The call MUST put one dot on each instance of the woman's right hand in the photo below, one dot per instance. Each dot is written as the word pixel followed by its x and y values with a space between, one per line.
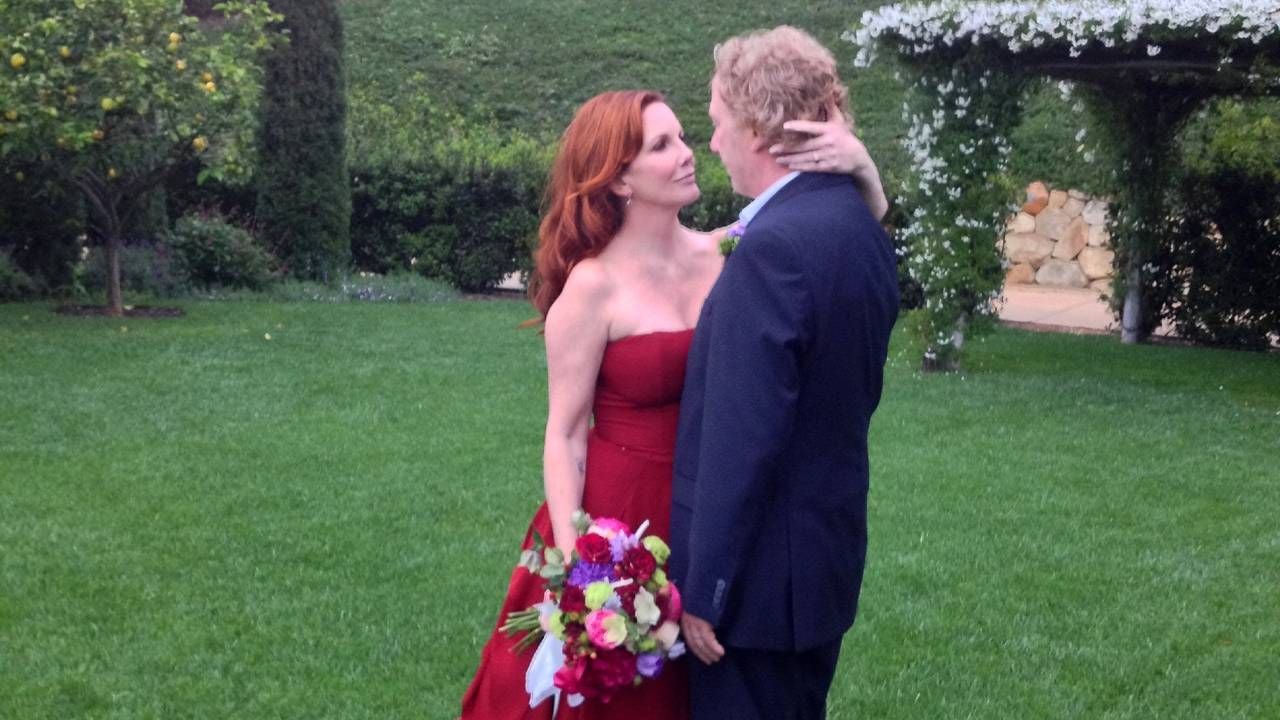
pixel 566 548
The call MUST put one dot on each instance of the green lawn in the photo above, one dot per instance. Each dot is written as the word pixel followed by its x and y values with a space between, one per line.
pixel 198 522
pixel 529 63
pixel 525 65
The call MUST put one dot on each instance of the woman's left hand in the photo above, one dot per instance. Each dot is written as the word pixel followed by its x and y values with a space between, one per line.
pixel 833 148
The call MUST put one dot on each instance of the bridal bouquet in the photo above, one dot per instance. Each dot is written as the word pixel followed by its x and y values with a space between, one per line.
pixel 610 619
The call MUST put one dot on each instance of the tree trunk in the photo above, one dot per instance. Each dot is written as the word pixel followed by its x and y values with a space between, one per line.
pixel 1131 315
pixel 105 214
pixel 115 300
pixel 946 358
pixel 1150 123
pixel 957 334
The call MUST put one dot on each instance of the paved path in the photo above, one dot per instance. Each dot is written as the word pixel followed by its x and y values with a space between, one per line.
pixel 1061 310
pixel 1066 309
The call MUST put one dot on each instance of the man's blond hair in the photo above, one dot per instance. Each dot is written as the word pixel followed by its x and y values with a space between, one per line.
pixel 771 76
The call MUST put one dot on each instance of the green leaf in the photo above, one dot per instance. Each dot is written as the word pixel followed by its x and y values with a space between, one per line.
pixel 554 556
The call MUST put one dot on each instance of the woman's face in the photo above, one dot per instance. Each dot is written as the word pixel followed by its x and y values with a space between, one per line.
pixel 662 174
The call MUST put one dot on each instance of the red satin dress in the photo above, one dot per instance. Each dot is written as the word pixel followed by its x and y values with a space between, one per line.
pixel 628 477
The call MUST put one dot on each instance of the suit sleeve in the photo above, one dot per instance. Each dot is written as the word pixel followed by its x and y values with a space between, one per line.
pixel 761 318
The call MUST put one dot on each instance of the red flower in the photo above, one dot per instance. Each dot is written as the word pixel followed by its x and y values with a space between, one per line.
pixel 599 675
pixel 638 563
pixel 594 549
pixel 614 670
pixel 573 600
pixel 627 594
pixel 572 677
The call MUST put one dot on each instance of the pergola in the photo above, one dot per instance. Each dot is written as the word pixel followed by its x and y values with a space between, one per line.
pixel 1141 68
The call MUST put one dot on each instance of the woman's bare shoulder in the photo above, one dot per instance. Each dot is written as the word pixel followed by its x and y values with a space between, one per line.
pixel 589 279
pixel 585 295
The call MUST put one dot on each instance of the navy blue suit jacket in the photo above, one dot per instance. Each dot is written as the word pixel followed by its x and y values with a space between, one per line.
pixel 769 516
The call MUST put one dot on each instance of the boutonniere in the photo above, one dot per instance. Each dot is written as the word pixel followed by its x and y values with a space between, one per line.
pixel 731 238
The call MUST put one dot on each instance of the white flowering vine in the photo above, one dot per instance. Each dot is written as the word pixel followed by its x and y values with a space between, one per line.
pixel 971 62
pixel 919 29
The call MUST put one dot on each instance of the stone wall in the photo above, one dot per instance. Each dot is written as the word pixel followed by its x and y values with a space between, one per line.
pixel 1059 239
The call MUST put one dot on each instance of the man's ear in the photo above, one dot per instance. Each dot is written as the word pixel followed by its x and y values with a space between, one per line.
pixel 758 144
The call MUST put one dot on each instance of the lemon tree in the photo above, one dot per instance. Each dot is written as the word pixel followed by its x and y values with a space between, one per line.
pixel 113 94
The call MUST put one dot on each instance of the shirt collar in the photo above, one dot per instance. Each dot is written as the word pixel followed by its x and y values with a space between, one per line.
pixel 750 211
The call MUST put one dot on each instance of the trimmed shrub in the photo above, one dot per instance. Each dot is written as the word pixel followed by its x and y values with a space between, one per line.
pixel 304 197
pixel 186 194
pixel 211 251
pixel 41 220
pixel 1217 270
pixel 718 206
pixel 14 283
pixel 464 209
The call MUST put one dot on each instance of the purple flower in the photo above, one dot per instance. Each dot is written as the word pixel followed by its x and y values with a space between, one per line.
pixel 585 573
pixel 731 238
pixel 618 546
pixel 649 664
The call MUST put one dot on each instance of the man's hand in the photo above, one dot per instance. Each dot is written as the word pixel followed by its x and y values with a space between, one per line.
pixel 700 638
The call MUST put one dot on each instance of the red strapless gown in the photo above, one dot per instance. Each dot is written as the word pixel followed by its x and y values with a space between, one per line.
pixel 628 476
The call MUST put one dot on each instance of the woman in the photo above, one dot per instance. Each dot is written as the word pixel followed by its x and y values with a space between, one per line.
pixel 619 285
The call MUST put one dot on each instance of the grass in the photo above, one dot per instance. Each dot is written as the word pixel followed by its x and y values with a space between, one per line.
pixel 528 64
pixel 200 522
pixel 525 65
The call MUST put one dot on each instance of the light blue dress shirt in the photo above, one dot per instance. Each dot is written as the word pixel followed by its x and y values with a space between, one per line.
pixel 749 212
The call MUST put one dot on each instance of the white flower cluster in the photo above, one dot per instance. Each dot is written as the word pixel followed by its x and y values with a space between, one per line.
pixel 957 141
pixel 922 28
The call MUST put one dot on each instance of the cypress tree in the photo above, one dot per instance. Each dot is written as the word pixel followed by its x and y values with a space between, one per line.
pixel 304 194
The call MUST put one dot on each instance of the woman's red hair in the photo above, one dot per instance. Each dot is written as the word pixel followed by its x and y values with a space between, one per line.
pixel 583 213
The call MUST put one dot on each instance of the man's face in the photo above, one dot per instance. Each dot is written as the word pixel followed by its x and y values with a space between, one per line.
pixel 731 140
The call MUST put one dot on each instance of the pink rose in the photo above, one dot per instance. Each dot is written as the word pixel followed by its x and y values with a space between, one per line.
pixel 606 629
pixel 608 527
pixel 669 603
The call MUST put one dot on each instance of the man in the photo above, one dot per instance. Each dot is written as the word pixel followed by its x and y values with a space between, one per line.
pixel 770 490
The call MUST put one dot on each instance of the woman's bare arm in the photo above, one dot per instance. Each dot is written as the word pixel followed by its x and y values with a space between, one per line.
pixel 577 330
